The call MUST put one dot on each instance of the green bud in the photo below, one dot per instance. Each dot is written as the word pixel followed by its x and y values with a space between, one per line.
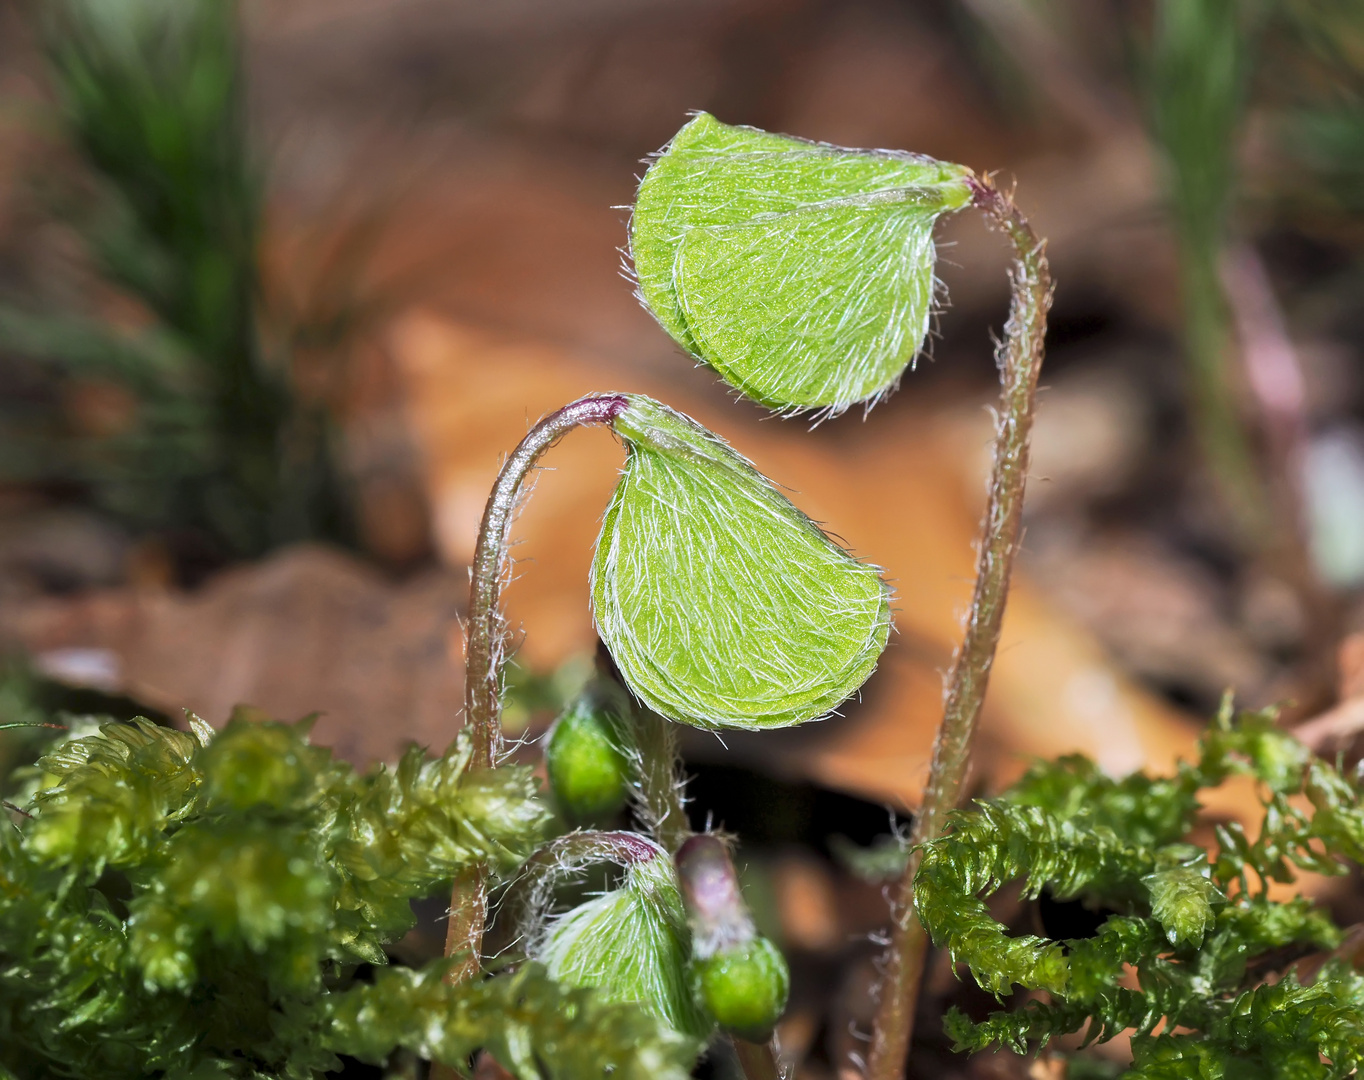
pixel 801 272
pixel 587 769
pixel 744 988
pixel 722 604
pixel 737 976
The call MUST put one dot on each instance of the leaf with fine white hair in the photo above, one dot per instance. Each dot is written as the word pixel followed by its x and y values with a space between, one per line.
pixel 801 272
pixel 722 604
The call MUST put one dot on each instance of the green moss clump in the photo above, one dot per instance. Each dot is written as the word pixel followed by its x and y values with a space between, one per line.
pixel 1198 928
pixel 199 904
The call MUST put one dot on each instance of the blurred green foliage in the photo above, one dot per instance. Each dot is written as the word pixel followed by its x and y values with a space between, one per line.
pixel 1256 109
pixel 149 94
pixel 1198 76
pixel 1322 126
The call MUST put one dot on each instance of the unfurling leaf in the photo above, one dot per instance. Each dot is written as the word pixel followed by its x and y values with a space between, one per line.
pixel 631 943
pixel 722 604
pixel 801 272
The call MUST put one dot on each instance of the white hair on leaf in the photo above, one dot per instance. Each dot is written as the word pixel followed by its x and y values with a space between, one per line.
pixel 722 604
pixel 803 273
pixel 632 943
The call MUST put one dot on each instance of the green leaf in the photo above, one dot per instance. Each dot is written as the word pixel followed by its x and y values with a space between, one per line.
pixel 801 272
pixel 723 605
pixel 631 943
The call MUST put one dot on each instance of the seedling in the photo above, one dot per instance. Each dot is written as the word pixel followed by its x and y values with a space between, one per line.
pixel 804 274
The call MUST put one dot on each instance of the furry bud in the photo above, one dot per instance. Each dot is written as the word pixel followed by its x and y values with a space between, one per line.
pixel 737 975
pixel 630 943
pixel 744 988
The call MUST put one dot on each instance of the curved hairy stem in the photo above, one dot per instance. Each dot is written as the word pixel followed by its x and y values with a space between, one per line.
pixel 528 897
pixel 1020 360
pixel 485 645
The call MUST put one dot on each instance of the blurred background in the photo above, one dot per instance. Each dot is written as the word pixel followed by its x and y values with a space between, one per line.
pixel 282 280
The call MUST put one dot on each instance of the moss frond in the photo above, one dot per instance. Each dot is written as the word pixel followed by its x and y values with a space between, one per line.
pixel 532 1025
pixel 183 901
pixel 1197 929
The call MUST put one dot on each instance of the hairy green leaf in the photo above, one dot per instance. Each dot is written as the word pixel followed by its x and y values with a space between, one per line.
pixel 801 272
pixel 632 943
pixel 723 605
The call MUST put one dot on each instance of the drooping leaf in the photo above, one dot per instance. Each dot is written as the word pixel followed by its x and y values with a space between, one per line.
pixel 801 272
pixel 723 605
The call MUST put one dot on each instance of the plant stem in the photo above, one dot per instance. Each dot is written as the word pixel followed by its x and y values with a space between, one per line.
pixel 485 645
pixel 1020 361
pixel 757 1060
pixel 658 785
pixel 659 798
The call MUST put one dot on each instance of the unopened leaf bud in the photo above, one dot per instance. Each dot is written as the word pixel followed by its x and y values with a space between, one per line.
pixel 588 769
pixel 744 988
pixel 737 975
pixel 630 943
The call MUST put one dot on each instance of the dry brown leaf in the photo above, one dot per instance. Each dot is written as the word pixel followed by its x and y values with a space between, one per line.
pixel 1338 726
pixel 307 630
